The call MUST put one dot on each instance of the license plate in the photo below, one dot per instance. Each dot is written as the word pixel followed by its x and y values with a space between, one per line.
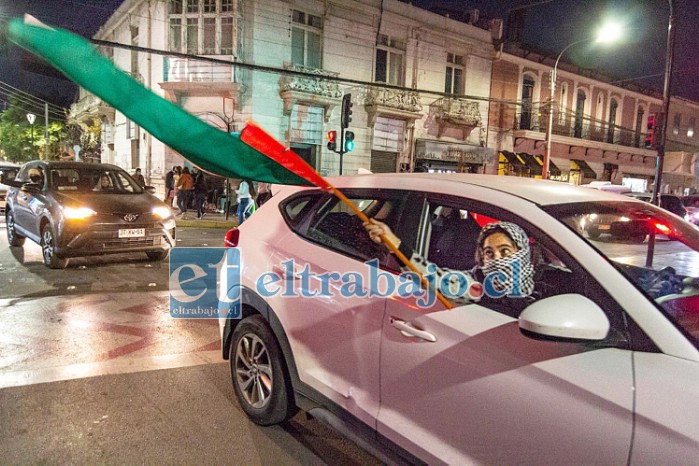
pixel 604 227
pixel 132 233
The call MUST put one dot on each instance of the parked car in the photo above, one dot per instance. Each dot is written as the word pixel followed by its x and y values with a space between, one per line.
pixel 599 366
pixel 83 209
pixel 669 202
pixel 9 171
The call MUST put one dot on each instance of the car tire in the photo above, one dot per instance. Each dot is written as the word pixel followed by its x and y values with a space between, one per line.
pixel 48 249
pixel 593 234
pixel 158 255
pixel 13 238
pixel 638 238
pixel 259 373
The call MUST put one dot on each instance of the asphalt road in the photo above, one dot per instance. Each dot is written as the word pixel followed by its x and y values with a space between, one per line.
pixel 94 370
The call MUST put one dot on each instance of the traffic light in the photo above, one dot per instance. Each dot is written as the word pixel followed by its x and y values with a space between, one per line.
pixel 649 142
pixel 349 141
pixel 332 140
pixel 346 116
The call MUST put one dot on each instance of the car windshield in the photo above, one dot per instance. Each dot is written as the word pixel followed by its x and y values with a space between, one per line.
pixel 668 274
pixel 96 180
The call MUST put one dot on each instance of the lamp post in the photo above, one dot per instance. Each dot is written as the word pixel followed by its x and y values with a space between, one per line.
pixel 608 33
pixel 31 118
pixel 655 197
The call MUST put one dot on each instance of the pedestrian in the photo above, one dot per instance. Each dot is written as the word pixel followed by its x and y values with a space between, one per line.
pixel 200 192
pixel 263 193
pixel 139 178
pixel 170 186
pixel 245 198
pixel 184 186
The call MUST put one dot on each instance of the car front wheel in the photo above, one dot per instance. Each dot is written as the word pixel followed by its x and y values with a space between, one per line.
pixel 48 249
pixel 259 373
pixel 158 255
pixel 14 238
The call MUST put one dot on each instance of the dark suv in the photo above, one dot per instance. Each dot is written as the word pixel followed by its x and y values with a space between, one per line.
pixel 81 209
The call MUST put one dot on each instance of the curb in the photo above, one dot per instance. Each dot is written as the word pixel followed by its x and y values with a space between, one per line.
pixel 213 223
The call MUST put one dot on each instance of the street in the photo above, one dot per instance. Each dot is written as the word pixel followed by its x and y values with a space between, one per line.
pixel 93 369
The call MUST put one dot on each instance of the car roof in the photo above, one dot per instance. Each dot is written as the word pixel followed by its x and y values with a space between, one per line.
pixel 65 164
pixel 542 192
pixel 9 165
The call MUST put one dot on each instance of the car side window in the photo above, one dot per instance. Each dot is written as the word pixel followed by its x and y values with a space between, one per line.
pixel 333 224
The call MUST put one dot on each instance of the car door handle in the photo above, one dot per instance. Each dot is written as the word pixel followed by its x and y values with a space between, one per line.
pixel 407 330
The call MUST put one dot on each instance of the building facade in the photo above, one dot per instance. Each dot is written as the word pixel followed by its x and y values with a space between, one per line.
pixel 599 131
pixel 419 81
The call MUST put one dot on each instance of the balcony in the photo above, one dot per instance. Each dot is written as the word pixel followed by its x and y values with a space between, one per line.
pixel 400 104
pixel 89 108
pixel 455 112
pixel 585 129
pixel 188 76
pixel 309 86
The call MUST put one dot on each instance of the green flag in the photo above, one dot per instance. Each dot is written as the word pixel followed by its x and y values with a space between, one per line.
pixel 205 146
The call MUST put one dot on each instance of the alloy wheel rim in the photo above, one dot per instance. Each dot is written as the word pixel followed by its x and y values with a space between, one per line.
pixel 47 247
pixel 10 227
pixel 253 371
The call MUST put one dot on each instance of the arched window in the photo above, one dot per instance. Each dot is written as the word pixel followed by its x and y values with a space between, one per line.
pixel 639 124
pixel 613 105
pixel 525 121
pixel 563 103
pixel 599 110
pixel 579 129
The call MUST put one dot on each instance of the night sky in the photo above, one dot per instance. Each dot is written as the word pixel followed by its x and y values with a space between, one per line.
pixel 549 26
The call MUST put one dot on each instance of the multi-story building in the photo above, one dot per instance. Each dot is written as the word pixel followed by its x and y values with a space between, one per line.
pixel 599 130
pixel 419 81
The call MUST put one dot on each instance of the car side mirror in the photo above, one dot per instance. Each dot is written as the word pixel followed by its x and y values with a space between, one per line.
pixel 566 316
pixel 149 189
pixel 31 188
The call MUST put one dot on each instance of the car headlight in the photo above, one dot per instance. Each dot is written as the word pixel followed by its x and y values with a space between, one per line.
pixel 78 213
pixel 162 212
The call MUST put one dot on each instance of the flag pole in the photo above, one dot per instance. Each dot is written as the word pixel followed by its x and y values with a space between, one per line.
pixel 259 139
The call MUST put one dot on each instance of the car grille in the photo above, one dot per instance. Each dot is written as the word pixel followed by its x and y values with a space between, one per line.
pixel 105 237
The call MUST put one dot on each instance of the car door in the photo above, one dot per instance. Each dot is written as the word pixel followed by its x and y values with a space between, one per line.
pixel 25 205
pixel 470 387
pixel 335 329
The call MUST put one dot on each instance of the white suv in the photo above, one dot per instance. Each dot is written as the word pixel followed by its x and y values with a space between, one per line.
pixel 9 171
pixel 599 365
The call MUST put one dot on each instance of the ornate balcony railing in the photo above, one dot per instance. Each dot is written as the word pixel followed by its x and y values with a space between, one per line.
pixel 584 128
pixel 312 83
pixel 458 111
pixel 408 101
pixel 193 70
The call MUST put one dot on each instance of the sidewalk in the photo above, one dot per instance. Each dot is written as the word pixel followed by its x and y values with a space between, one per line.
pixel 210 220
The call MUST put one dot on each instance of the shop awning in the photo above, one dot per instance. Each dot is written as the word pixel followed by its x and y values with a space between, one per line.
pixel 585 169
pixel 553 169
pixel 513 159
pixel 534 166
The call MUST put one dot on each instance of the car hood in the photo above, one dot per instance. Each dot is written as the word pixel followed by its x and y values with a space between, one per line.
pixel 110 203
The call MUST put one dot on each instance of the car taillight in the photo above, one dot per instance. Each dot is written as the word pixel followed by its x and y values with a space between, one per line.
pixel 232 237
pixel 662 228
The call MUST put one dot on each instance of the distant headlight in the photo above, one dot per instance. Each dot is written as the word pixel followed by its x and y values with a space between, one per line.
pixel 162 212
pixel 78 213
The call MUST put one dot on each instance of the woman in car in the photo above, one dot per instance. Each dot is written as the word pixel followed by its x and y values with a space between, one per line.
pixel 502 253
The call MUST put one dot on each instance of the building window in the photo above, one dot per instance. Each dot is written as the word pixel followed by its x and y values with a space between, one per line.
pixel 599 110
pixel 131 130
pixel 388 135
pixel 563 103
pixel 690 128
pixel 201 27
pixel 676 123
pixel 525 121
pixel 454 79
pixel 389 61
pixel 306 31
pixel 613 106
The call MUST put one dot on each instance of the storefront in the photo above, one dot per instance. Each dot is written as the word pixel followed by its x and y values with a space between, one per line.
pixel 444 157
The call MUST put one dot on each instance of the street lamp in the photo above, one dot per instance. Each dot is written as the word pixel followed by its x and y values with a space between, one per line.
pixel 608 33
pixel 31 118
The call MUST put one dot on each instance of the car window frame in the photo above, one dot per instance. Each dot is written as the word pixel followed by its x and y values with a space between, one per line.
pixel 626 334
pixel 302 226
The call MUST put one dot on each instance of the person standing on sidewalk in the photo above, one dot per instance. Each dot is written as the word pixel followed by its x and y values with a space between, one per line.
pixel 263 193
pixel 184 190
pixel 245 198
pixel 200 192
pixel 170 187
